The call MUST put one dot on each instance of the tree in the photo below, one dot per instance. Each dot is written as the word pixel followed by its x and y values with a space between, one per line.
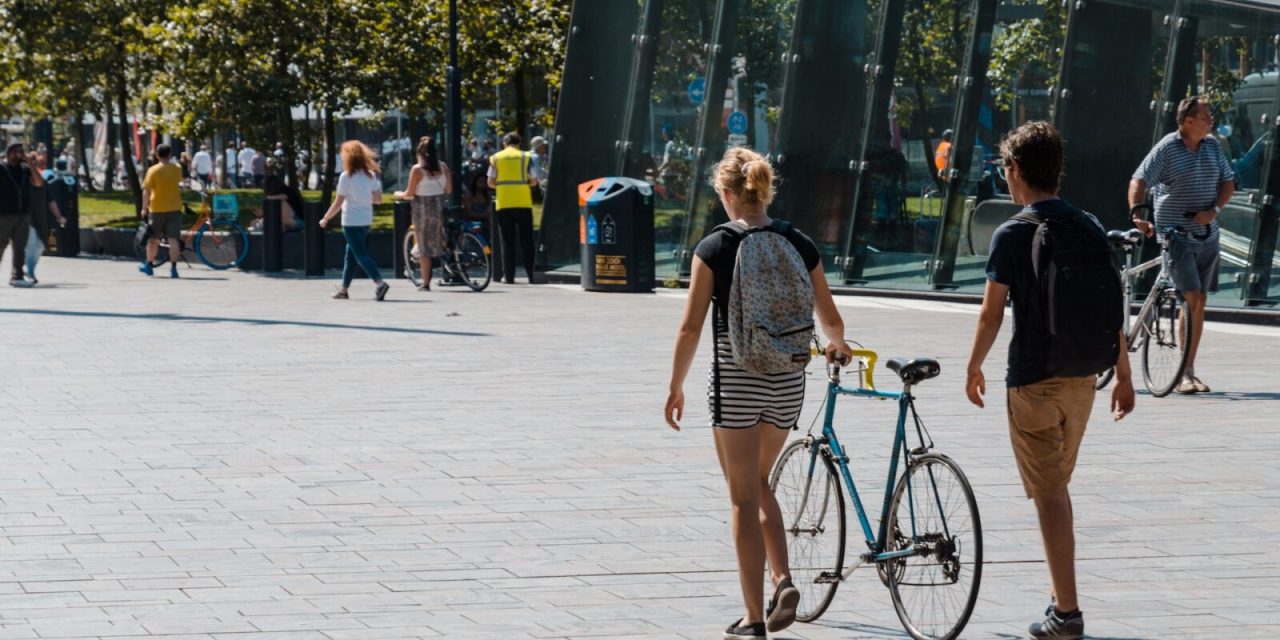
pixel 933 45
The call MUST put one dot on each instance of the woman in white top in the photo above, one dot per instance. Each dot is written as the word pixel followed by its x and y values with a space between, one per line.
pixel 429 181
pixel 359 188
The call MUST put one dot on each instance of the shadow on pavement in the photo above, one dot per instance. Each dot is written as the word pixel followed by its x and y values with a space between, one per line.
pixel 1241 395
pixel 249 321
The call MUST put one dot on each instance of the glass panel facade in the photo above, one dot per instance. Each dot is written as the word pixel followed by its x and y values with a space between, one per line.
pixel 882 118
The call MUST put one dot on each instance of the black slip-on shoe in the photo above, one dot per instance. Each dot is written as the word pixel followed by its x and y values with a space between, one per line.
pixel 781 612
pixel 740 631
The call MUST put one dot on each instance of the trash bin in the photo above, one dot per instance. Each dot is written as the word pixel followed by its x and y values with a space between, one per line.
pixel 616 233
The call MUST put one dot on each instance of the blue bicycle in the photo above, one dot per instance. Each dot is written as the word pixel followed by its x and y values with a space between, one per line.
pixel 928 546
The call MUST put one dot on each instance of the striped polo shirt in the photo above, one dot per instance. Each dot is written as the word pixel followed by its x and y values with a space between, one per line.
pixel 1183 180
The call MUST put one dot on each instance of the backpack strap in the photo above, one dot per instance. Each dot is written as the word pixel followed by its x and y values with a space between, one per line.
pixel 715 360
pixel 1037 243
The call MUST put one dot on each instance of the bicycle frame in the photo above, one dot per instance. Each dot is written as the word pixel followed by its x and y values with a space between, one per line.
pixel 830 445
pixel 1135 330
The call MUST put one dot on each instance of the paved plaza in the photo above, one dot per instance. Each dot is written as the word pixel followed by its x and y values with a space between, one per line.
pixel 233 456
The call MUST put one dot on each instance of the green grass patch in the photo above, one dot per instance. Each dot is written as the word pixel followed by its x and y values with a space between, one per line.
pixel 115 210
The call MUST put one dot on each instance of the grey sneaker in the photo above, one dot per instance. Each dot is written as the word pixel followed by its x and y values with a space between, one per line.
pixel 1058 625
pixel 380 293
pixel 21 283
pixel 1200 386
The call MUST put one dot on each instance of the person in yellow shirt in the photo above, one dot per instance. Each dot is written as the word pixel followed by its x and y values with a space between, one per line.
pixel 162 202
pixel 511 175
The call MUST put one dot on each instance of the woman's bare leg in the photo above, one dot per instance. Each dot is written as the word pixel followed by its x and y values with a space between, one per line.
pixel 739 451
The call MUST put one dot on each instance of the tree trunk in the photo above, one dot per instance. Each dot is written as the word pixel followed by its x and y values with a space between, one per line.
pixel 330 149
pixel 286 128
pixel 922 115
pixel 109 174
pixel 126 146
pixel 86 182
pixel 1246 56
pixel 522 103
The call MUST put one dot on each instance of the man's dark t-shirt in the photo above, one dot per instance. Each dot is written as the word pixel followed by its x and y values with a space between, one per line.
pixel 720 252
pixel 1009 264
pixel 15 189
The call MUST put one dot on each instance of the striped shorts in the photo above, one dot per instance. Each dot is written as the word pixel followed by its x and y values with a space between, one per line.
pixel 747 399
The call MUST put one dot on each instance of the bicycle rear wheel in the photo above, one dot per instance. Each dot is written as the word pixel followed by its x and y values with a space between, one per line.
pixel 808 493
pixel 934 591
pixel 471 262
pixel 412 268
pixel 162 252
pixel 1164 355
pixel 221 245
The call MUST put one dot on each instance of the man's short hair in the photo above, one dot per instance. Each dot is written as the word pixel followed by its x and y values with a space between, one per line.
pixel 17 146
pixel 163 152
pixel 511 139
pixel 1037 148
pixel 1188 106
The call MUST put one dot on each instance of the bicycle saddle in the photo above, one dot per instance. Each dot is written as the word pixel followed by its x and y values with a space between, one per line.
pixel 1119 239
pixel 914 371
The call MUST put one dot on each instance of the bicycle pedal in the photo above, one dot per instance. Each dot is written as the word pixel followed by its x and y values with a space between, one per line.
pixel 827 577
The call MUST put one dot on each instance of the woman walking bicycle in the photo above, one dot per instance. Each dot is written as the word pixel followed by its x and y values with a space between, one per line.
pixel 429 182
pixel 751 412
pixel 359 188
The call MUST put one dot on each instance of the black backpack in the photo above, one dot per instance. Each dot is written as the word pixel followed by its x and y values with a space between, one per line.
pixel 1080 306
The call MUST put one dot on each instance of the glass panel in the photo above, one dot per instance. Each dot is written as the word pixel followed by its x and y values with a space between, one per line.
pixel 1025 58
pixel 899 211
pixel 679 79
pixel 592 100
pixel 1106 117
pixel 820 130
pixel 1233 46
pixel 748 112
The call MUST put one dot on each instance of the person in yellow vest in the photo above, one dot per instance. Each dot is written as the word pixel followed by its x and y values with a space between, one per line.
pixel 511 175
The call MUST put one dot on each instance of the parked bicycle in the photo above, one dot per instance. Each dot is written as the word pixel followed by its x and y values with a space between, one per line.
pixel 219 242
pixel 467 258
pixel 1162 328
pixel 927 547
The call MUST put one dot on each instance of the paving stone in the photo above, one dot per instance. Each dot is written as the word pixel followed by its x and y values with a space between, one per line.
pixel 233 456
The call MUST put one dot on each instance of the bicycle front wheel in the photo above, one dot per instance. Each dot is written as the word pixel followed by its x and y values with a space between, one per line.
pixel 412 267
pixel 221 245
pixel 1164 355
pixel 472 262
pixel 935 589
pixel 812 505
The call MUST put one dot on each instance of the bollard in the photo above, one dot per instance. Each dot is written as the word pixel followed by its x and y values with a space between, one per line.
pixel 272 237
pixel 403 217
pixel 313 239
pixel 69 235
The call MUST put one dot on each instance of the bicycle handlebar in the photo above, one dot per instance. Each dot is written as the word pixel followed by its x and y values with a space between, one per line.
pixel 840 361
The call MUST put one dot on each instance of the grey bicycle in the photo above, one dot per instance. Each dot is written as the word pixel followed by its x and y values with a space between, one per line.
pixel 1162 328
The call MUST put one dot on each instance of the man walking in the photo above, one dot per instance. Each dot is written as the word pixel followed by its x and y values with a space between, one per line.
pixel 202 166
pixel 245 160
pixel 1048 400
pixel 1191 181
pixel 15 199
pixel 162 201
pixel 510 177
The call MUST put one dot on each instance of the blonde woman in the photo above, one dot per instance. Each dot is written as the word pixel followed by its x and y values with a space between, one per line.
pixel 755 411
pixel 429 182
pixel 359 188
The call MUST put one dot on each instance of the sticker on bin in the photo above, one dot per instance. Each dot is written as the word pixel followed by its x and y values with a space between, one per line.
pixel 593 230
pixel 608 231
pixel 611 270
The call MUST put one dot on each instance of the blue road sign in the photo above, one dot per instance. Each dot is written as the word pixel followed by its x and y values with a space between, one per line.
pixel 737 122
pixel 697 88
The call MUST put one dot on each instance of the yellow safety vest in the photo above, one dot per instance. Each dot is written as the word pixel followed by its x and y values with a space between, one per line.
pixel 512 166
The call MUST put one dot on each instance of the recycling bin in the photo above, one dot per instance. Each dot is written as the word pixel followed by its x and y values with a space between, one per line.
pixel 616 233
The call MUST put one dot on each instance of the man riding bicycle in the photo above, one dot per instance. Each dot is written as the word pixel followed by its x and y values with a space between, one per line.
pixel 1191 180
